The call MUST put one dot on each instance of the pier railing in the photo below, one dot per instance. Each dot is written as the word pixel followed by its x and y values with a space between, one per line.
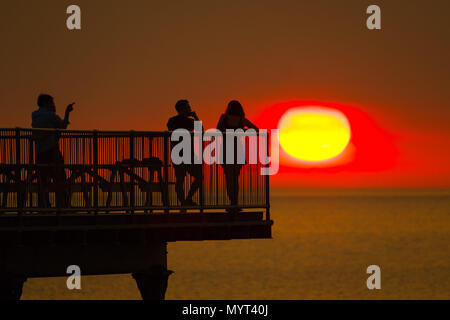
pixel 111 172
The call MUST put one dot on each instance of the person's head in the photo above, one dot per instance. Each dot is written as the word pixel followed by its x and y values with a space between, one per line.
pixel 235 109
pixel 183 108
pixel 46 101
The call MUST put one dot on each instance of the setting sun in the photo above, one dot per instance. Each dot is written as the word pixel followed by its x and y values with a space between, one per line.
pixel 314 133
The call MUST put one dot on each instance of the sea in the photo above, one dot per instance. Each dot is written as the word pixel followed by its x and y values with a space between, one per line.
pixel 323 242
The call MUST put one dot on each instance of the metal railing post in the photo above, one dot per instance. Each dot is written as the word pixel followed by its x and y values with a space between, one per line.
pixel 201 147
pixel 132 193
pixel 95 167
pixel 18 173
pixel 166 172
pixel 267 181
pixel 57 178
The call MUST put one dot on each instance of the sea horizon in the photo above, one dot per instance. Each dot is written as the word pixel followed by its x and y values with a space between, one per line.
pixel 349 192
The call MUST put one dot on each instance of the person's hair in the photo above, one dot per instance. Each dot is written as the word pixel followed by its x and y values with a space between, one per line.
pixel 180 104
pixel 43 100
pixel 235 108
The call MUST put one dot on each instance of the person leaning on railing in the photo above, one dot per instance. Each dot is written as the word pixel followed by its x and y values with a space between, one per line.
pixel 185 119
pixel 233 118
pixel 47 150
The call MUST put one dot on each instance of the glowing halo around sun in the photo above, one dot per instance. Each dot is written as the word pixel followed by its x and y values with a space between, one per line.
pixel 314 134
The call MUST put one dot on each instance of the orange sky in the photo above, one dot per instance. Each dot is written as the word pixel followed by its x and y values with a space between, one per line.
pixel 133 59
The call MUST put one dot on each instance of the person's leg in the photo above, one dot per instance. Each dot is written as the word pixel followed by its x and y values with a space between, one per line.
pixel 46 190
pixel 45 175
pixel 44 194
pixel 180 173
pixel 228 171
pixel 235 185
pixel 232 173
pixel 196 172
pixel 237 173
pixel 60 181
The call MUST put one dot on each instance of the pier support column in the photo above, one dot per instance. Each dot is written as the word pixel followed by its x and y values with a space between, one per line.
pixel 11 286
pixel 153 283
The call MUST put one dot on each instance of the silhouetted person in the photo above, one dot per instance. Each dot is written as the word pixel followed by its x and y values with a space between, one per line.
pixel 47 150
pixel 233 118
pixel 185 120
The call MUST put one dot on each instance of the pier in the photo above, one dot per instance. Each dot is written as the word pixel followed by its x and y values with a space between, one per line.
pixel 115 210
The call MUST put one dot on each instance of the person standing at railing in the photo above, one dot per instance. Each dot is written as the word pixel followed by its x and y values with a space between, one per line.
pixel 47 149
pixel 233 118
pixel 185 120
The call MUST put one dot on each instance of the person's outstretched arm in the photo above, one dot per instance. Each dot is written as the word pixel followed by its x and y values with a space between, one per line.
pixel 64 123
pixel 247 123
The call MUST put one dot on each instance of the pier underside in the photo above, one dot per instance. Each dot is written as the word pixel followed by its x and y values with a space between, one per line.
pixel 45 245
pixel 130 229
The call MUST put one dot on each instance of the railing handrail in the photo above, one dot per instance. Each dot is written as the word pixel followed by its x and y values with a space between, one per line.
pixel 85 131
pixel 135 132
